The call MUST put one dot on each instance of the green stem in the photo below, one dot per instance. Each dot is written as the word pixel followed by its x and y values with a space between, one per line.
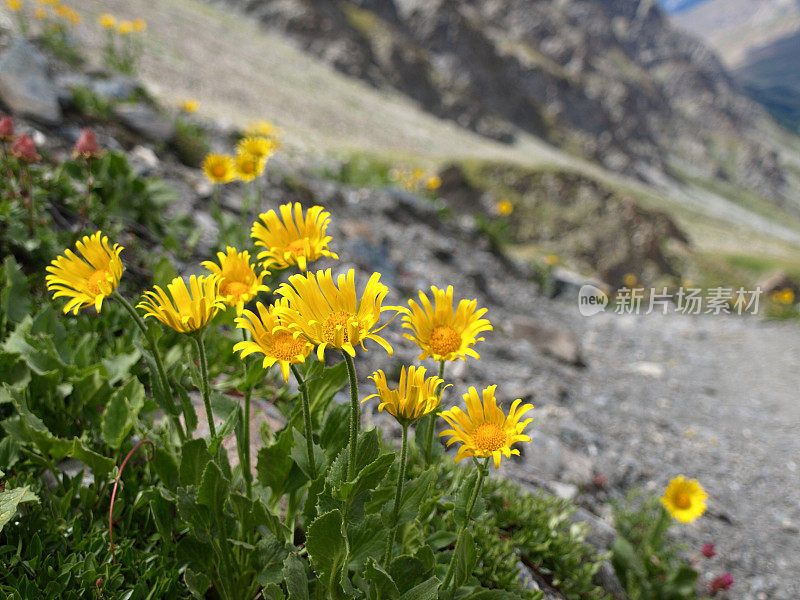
pixel 355 415
pixel 162 373
pixel 247 473
pixel 432 420
pixel 387 557
pixel 306 421
pixel 216 207
pixel 470 504
pixel 201 351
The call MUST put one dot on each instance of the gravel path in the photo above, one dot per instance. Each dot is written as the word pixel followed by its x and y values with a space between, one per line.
pixel 713 398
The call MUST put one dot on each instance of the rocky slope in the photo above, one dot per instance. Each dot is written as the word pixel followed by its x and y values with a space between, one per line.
pixel 759 40
pixel 608 79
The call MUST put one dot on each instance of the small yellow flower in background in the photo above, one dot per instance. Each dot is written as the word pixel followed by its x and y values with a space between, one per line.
pixel 188 105
pixel 787 296
pixel 684 499
pixel 258 146
pixel 504 208
pixel 329 314
pixel 629 280
pixel 14 5
pixel 292 239
pixel 89 279
pixel 40 13
pixel 262 128
pixel 551 260
pixel 219 168
pixel 68 13
pixel 125 27
pixel 414 397
pixel 484 430
pixel 186 309
pixel 272 339
pixel 238 282
pixel 107 21
pixel 247 166
pixel 139 25
pixel 418 175
pixel 441 332
pixel 433 183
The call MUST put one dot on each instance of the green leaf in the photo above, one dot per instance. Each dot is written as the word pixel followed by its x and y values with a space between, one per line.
pixel 227 427
pixel 99 464
pixel 300 454
pixel 367 478
pixel 275 465
pixel 15 298
pixel 326 543
pixel 11 499
pixel 214 490
pixel 198 583
pixel 465 556
pixel 294 573
pixel 189 413
pixel 194 458
pixel 118 367
pixel 415 493
pixel 335 430
pixel 322 387
pixel 407 571
pixel 462 500
pixel 272 592
pixel 122 412
pixel 427 590
pixel 382 582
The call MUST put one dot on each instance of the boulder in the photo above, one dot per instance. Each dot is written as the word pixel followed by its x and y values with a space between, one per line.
pixel 145 121
pixel 557 342
pixel 25 84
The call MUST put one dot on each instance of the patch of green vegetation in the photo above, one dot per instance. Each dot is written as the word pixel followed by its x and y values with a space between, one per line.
pixel 190 142
pixel 92 105
pixel 362 169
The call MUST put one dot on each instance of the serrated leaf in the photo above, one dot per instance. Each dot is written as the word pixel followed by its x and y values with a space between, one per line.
pixel 414 494
pixel 327 548
pixel 122 412
pixel 194 458
pixel 465 557
pixel 11 499
pixel 294 573
pixel 322 387
pixel 382 583
pixel 427 590
pixel 214 490
pixel 300 454
pixel 198 583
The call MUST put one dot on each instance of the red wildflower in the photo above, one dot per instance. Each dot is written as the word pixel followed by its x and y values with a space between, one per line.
pixel 86 146
pixel 6 129
pixel 24 149
pixel 722 583
pixel 708 550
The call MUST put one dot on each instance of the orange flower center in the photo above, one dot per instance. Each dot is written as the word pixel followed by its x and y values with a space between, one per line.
pixel 218 171
pixel 336 320
pixel 248 167
pixel 682 500
pixel 297 247
pixel 489 437
pixel 95 279
pixel 286 347
pixel 444 340
pixel 234 288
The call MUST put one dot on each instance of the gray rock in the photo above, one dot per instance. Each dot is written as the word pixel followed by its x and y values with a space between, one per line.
pixel 558 343
pixel 118 87
pixel 25 84
pixel 145 121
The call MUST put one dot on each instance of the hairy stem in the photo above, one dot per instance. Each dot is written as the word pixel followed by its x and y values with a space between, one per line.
pixel 431 420
pixel 387 557
pixel 306 421
pixel 247 473
pixel 201 351
pixel 355 415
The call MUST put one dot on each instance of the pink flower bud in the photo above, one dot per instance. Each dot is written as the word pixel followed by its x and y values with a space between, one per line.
pixel 722 583
pixel 24 149
pixel 86 146
pixel 708 550
pixel 6 129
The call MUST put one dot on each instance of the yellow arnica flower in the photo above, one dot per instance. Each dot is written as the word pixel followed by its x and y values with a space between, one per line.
pixel 484 430
pixel 125 27
pixel 629 280
pixel 258 146
pixel 238 282
pixel 414 397
pixel 441 332
pixel 219 168
pixel 684 499
pixel 504 208
pixel 139 25
pixel 272 339
pixel 262 128
pixel 292 239
pixel 188 105
pixel 186 309
pixel 248 166
pixel 40 13
pixel 433 183
pixel 330 314
pixel 107 21
pixel 551 260
pixel 89 280
pixel 14 5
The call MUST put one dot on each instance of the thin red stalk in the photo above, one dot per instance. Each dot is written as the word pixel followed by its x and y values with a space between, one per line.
pixel 114 493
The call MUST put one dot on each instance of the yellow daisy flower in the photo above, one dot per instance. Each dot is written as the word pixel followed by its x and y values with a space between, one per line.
pixel 125 27
pixel 89 279
pixel 186 309
pixel 248 166
pixel 40 13
pixel 684 499
pixel 14 5
pixel 291 239
pixel 330 314
pixel 433 183
pixel 414 397
pixel 272 339
pixel 238 282
pixel 262 128
pixel 188 105
pixel 139 25
pixel 441 332
pixel 107 21
pixel 219 168
pixel 484 430
pixel 504 208
pixel 258 146
pixel 551 260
